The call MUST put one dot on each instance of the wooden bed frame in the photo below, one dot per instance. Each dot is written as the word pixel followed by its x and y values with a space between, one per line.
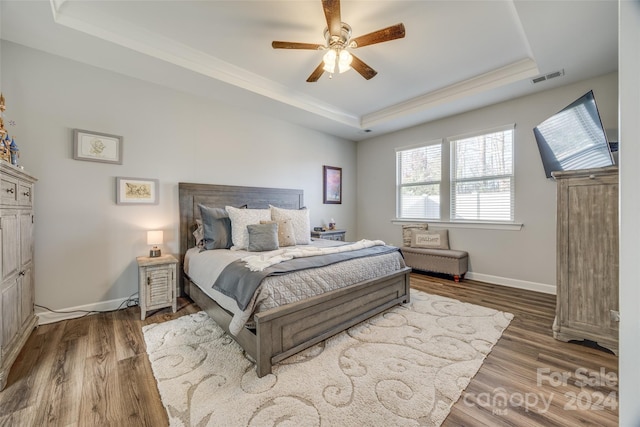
pixel 284 331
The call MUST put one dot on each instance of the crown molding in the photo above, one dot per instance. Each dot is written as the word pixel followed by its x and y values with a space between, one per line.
pixel 510 73
pixel 127 35
pixel 155 45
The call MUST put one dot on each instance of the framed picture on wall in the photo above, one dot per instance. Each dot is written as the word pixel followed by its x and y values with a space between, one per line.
pixel 137 191
pixel 97 147
pixel 332 185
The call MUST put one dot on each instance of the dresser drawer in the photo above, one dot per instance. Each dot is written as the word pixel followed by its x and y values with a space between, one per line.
pixel 9 190
pixel 25 194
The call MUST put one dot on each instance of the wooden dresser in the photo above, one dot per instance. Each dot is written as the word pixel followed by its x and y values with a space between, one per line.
pixel 587 256
pixel 17 317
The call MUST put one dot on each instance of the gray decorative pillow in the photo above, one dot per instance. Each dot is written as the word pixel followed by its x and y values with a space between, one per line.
pixel 263 237
pixel 286 236
pixel 430 239
pixel 217 228
pixel 407 229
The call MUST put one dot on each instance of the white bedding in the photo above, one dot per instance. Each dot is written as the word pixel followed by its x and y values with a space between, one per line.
pixel 204 267
pixel 267 259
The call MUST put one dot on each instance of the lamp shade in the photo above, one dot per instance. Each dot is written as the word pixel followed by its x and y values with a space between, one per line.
pixel 154 237
pixel 329 60
pixel 344 61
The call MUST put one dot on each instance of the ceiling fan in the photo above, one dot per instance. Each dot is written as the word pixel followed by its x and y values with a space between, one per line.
pixel 339 42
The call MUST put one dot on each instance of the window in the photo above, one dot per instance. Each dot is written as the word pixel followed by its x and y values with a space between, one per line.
pixel 482 187
pixel 419 174
pixel 465 179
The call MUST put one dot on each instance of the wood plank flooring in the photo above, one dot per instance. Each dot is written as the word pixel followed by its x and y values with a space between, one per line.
pixel 94 371
pixel 530 378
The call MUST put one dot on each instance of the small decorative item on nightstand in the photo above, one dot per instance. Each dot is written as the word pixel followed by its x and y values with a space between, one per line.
pixel 156 283
pixel 154 238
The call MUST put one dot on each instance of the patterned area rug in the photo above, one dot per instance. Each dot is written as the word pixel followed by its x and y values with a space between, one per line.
pixel 404 367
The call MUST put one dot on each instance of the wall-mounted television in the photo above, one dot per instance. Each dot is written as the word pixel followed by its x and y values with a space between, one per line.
pixel 574 138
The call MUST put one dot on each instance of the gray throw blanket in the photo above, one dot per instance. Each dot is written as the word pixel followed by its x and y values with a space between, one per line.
pixel 240 283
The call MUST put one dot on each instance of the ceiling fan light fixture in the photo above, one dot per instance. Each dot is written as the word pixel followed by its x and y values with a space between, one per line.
pixel 329 60
pixel 344 61
pixel 337 35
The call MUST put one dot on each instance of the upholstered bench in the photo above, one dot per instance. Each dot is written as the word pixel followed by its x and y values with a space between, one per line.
pixel 447 261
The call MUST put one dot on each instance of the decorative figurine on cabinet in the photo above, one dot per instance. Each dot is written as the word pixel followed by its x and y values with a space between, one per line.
pixel 15 152
pixel 5 151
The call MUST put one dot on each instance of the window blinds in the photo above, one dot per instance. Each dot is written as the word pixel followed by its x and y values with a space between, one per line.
pixel 482 185
pixel 419 175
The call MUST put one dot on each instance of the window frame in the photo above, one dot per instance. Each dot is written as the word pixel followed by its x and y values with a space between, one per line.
pixel 447 186
pixel 400 186
pixel 453 181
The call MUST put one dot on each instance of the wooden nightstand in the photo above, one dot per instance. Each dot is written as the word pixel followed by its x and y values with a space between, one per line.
pixel 156 283
pixel 329 234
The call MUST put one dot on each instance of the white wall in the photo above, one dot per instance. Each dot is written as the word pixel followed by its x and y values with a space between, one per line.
pixel 524 258
pixel 86 245
pixel 629 68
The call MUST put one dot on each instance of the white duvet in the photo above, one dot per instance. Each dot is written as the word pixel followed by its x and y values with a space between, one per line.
pixel 264 260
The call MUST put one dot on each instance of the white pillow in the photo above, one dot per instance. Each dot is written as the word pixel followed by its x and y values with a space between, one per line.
pixel 300 220
pixel 438 239
pixel 240 218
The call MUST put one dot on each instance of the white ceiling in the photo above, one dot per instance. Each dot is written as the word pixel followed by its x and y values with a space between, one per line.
pixel 456 56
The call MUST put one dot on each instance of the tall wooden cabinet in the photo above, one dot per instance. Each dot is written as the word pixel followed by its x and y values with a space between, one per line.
pixel 17 317
pixel 587 258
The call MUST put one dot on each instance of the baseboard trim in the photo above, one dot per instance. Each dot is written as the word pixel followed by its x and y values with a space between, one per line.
pixel 512 283
pixel 45 316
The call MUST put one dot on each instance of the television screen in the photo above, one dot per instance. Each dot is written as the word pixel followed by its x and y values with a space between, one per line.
pixel 574 138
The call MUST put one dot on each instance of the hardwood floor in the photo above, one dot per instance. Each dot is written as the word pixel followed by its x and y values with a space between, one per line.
pixel 530 378
pixel 94 371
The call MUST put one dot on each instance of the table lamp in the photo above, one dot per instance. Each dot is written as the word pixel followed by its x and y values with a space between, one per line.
pixel 154 238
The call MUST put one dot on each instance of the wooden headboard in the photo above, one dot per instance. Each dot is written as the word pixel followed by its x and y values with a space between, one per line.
pixel 190 195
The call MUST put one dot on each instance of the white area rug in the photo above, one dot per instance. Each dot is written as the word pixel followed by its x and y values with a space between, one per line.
pixel 405 367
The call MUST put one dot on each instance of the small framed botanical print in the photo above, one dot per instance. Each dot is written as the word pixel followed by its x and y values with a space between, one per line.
pixel 137 191
pixel 97 147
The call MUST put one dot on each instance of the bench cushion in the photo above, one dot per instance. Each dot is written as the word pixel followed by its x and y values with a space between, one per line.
pixel 449 253
pixel 447 261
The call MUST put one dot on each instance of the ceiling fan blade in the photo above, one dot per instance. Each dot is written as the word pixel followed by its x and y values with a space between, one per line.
pixel 390 33
pixel 295 45
pixel 316 73
pixel 332 13
pixel 362 68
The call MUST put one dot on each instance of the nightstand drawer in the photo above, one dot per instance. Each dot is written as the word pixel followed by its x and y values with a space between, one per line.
pixel 330 235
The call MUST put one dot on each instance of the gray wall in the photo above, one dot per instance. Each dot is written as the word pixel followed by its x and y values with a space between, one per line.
pixel 524 258
pixel 86 245
pixel 629 66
